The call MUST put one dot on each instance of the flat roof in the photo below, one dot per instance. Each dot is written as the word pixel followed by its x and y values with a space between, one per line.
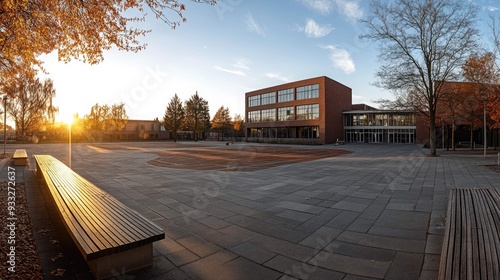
pixel 375 111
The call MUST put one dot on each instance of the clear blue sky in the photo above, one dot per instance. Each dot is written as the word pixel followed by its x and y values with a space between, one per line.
pixel 226 50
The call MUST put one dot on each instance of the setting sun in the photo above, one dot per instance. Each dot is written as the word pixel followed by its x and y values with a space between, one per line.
pixel 67 118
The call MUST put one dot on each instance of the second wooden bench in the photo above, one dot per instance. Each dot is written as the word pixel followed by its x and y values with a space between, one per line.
pixel 471 245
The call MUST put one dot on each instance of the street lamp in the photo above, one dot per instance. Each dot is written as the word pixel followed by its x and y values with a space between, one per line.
pixel 70 121
pixel 4 99
pixel 484 125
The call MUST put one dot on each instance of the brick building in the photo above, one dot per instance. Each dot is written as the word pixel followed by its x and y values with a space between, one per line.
pixel 307 111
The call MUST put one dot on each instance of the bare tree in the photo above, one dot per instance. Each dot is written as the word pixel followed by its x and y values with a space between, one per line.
pixel 95 121
pixel 421 44
pixel 117 118
pixel 30 103
pixel 221 121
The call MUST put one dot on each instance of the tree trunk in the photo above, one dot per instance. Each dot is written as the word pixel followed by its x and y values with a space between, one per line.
pixel 471 136
pixel 453 136
pixel 432 132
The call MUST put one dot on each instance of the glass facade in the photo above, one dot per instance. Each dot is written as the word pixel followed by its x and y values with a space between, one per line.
pixel 285 95
pixel 380 119
pixel 308 112
pixel 380 127
pixel 307 92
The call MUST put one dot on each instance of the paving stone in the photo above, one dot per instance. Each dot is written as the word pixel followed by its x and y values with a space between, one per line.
pixel 210 267
pixel 351 265
pixel 253 253
pixel 301 270
pixel 321 237
pixel 214 222
pixel 405 266
pixel 428 274
pixel 285 248
pixel 399 233
pixel 295 215
pixel 360 251
pixel 361 225
pixel 343 220
pixel 407 220
pixel 391 243
pixel 431 262
pixel 350 206
pixel 167 246
pixel 357 277
pixel 403 206
pixel 241 268
pixel 182 257
pixel 300 207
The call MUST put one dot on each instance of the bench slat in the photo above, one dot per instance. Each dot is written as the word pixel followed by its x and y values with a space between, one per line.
pixel 126 230
pixel 83 242
pixel 101 223
pixel 126 219
pixel 471 245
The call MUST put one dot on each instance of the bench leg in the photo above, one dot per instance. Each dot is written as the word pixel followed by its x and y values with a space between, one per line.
pixel 20 161
pixel 122 262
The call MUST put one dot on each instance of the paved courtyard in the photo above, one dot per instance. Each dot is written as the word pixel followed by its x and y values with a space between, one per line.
pixel 375 213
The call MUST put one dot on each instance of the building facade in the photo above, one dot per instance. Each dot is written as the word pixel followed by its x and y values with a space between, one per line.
pixel 383 126
pixel 307 111
pixel 143 130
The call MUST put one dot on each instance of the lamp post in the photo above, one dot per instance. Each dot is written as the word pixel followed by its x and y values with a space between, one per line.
pixel 484 126
pixel 4 99
pixel 69 146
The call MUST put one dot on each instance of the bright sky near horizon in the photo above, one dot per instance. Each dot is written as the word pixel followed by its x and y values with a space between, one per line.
pixel 226 50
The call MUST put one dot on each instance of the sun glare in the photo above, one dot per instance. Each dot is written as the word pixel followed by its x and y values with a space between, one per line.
pixel 67 118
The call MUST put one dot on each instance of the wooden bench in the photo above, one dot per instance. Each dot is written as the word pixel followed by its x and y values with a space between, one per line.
pixel 471 245
pixel 20 157
pixel 111 237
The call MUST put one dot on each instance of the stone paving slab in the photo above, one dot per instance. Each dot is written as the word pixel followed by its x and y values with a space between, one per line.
pixel 375 213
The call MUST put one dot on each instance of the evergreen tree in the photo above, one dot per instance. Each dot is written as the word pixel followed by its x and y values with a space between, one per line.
pixel 196 108
pixel 174 116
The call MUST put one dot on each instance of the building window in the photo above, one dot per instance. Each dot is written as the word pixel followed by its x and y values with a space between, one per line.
pixel 308 112
pixel 309 132
pixel 286 114
pixel 268 98
pixel 269 115
pixel 254 116
pixel 306 92
pixel 285 95
pixel 254 101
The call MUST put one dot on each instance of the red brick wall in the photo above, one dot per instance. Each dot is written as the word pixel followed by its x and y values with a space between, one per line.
pixel 338 99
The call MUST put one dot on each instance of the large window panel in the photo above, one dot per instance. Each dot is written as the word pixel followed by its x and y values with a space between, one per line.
pixel 285 95
pixel 268 98
pixel 254 101
pixel 308 112
pixel 254 116
pixel 268 115
pixel 307 92
pixel 286 114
